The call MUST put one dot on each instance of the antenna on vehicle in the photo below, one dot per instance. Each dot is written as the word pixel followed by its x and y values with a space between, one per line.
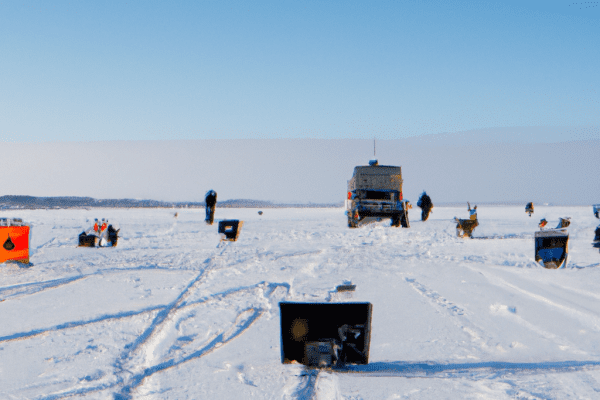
pixel 374 161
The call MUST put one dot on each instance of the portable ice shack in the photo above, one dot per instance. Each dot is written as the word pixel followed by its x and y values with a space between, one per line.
pixel 552 248
pixel 325 334
pixel 15 238
pixel 230 229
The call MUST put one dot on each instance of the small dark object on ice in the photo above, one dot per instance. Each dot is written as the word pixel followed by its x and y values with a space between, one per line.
pixel 563 223
pixel 87 240
pixel 230 229
pixel 345 288
pixel 597 237
pixel 260 213
pixel 529 208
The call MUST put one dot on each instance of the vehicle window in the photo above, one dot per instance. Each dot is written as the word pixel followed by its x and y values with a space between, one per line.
pixel 377 195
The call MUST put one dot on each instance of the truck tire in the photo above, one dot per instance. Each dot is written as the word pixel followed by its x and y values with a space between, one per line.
pixel 396 220
pixel 404 220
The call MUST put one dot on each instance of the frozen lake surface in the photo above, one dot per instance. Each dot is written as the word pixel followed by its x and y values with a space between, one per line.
pixel 172 314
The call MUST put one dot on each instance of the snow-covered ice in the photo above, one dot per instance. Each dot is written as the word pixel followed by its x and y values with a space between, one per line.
pixel 172 313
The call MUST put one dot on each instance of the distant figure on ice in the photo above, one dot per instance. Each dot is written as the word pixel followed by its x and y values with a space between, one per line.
pixel 426 205
pixel 472 212
pixel 542 224
pixel 104 242
pixel 529 208
pixel 465 227
pixel 95 229
pixel 211 202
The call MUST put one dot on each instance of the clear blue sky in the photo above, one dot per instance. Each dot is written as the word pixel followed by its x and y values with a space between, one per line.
pixel 133 70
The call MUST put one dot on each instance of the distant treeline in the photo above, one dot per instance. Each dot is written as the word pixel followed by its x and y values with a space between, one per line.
pixel 31 202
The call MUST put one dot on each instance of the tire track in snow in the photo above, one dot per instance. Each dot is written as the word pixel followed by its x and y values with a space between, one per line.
pixel 561 342
pixel 134 380
pixel 24 289
pixel 133 347
pixel 471 371
pixel 435 297
pixel 165 313
pixel 145 343
pixel 476 333
pixel 587 319
pixel 243 322
pixel 76 324
pixel 306 388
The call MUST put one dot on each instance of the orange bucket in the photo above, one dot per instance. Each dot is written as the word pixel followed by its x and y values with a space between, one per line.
pixel 14 243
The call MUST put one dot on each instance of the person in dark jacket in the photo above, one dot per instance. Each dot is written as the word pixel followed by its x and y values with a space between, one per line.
pixel 211 202
pixel 425 204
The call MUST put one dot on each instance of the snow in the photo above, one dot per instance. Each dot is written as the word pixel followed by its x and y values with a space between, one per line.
pixel 173 313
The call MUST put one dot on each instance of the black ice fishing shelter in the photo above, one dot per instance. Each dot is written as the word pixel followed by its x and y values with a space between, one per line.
pixel 552 248
pixel 325 334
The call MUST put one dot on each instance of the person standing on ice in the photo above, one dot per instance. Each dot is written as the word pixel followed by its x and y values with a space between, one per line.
pixel 104 233
pixel 94 229
pixel 472 212
pixel 211 202
pixel 425 204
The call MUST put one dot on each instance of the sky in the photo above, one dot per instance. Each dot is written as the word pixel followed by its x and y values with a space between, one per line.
pixel 155 70
pixel 273 100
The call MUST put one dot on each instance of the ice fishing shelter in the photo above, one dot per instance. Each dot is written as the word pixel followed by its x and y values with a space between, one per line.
pixel 552 248
pixel 14 240
pixel 325 334
pixel 230 229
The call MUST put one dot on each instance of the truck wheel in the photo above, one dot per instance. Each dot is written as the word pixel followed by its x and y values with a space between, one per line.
pixel 396 220
pixel 404 220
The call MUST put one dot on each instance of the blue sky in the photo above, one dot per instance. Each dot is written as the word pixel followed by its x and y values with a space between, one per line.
pixel 151 70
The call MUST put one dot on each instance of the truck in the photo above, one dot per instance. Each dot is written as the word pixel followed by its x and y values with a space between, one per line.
pixel 375 191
